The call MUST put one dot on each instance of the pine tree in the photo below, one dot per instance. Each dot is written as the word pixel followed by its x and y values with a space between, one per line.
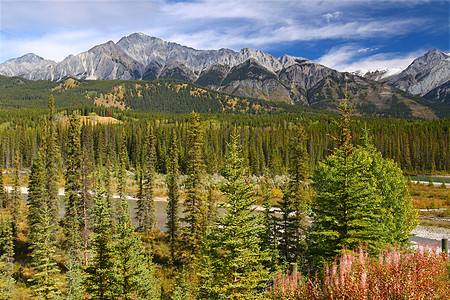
pixel 182 288
pixel 99 279
pixel 285 223
pixel 347 208
pixel 16 196
pixel 295 201
pixel 45 281
pixel 194 211
pixel 6 255
pixel 73 188
pixel 107 182
pixel 3 193
pixel 269 235
pixel 51 163
pixel 122 173
pixel 172 178
pixel 133 271
pixel 398 216
pixel 233 262
pixel 36 195
pixel 146 207
pixel 75 206
pixel 88 182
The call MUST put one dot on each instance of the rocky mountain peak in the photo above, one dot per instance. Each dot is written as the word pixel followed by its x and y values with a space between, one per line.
pixel 27 58
pixel 249 72
pixel 23 65
pixel 424 73
pixel 108 47
pixel 435 54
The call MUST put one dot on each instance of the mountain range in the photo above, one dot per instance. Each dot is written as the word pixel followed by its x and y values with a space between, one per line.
pixel 418 91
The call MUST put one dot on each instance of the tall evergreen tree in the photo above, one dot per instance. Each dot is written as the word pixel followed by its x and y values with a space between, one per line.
pixel 99 281
pixel 45 280
pixel 6 255
pixel 172 178
pixel 146 207
pixel 36 195
pixel 295 201
pixel 398 217
pixel 269 234
pixel 73 187
pixel 107 182
pixel 16 196
pixel 52 161
pixel 88 181
pixel 347 207
pixel 122 172
pixel 194 211
pixel 133 271
pixel 233 262
pixel 75 207
pixel 3 193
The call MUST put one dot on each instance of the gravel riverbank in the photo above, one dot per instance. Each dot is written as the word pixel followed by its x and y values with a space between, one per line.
pixel 431 232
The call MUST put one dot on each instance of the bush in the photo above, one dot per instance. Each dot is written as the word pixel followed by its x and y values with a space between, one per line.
pixel 396 274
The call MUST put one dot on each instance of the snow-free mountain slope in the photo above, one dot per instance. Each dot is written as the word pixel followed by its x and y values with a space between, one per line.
pixel 424 74
pixel 247 73
pixel 23 65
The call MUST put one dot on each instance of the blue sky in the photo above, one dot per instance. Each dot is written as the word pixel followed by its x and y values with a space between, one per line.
pixel 345 35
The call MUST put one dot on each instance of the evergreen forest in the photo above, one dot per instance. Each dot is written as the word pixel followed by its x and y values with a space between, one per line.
pixel 250 190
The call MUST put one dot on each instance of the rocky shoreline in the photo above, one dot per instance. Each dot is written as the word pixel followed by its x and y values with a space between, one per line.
pixel 431 232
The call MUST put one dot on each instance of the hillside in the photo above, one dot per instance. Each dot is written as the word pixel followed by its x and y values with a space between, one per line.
pixel 248 73
pixel 168 96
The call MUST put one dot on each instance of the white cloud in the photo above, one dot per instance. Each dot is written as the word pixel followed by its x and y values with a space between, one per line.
pixel 57 46
pixel 348 58
pixel 55 29
pixel 332 16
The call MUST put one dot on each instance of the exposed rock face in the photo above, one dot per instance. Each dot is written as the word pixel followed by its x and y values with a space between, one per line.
pixel 250 73
pixel 425 74
pixel 440 93
pixel 105 61
pixel 23 65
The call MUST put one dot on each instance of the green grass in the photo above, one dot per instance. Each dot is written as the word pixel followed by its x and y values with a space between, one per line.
pixel 437 223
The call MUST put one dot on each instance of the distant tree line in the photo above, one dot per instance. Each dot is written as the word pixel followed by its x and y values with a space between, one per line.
pixel 349 193
pixel 417 146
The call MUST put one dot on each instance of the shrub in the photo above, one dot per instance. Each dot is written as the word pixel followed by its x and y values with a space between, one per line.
pixel 396 274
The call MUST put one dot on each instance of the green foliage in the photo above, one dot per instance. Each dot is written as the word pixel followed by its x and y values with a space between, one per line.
pixel 398 217
pixel 173 224
pixel 360 198
pixel 45 281
pixel 295 202
pixel 270 234
pixel 52 162
pixel 195 208
pixel 132 272
pixel 15 195
pixel 162 95
pixel 6 255
pixel 36 196
pixel 73 187
pixel 211 77
pixel 3 193
pixel 347 208
pixel 100 270
pixel 146 207
pixel 247 70
pixel 233 262
pixel 75 277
